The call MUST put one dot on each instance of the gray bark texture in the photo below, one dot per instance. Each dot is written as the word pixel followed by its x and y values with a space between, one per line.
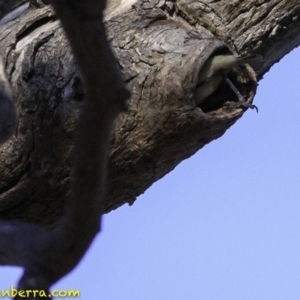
pixel 160 47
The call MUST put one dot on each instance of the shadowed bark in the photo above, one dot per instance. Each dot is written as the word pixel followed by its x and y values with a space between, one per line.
pixel 160 47
pixel 48 255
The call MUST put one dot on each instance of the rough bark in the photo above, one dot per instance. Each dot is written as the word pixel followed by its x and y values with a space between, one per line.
pixel 160 47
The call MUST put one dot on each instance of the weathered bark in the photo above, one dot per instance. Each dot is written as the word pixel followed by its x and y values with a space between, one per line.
pixel 160 47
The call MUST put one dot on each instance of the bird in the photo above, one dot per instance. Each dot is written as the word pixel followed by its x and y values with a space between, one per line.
pixel 215 70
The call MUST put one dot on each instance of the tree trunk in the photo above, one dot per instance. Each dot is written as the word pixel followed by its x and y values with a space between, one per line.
pixel 160 47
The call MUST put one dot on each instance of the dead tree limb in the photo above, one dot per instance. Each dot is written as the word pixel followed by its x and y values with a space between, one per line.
pixel 159 46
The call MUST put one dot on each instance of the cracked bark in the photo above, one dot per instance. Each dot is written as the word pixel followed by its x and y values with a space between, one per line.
pixel 160 47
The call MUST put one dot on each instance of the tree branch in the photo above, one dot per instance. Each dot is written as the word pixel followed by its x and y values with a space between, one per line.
pixel 49 255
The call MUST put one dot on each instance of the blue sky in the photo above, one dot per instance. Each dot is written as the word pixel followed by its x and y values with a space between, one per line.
pixel 224 225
